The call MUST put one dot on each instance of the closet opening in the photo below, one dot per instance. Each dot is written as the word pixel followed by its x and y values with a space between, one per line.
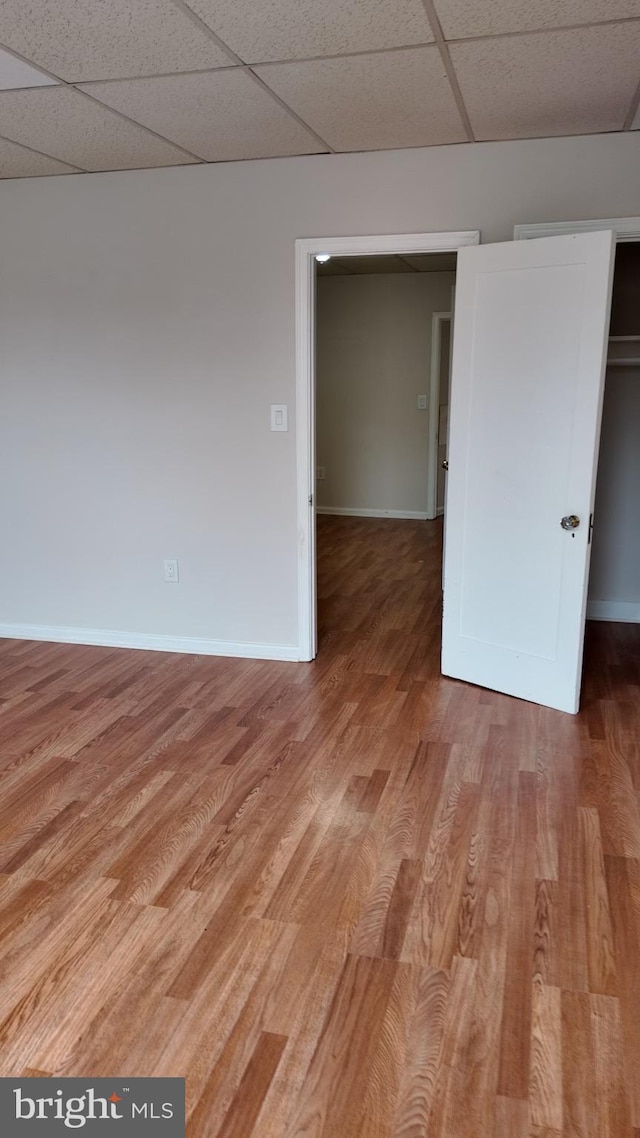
pixel 614 582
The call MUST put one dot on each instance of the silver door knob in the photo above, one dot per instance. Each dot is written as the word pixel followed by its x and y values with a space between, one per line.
pixel 445 464
pixel 570 521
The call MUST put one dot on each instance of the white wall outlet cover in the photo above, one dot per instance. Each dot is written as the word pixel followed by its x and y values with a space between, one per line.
pixel 422 403
pixel 279 417
pixel 171 571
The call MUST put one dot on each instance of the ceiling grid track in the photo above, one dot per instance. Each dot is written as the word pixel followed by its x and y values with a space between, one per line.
pixel 633 109
pixel 436 28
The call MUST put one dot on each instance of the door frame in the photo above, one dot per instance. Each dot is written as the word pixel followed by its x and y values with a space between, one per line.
pixel 306 250
pixel 625 228
pixel 437 320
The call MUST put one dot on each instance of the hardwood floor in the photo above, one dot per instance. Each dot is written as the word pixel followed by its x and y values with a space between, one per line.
pixel 347 899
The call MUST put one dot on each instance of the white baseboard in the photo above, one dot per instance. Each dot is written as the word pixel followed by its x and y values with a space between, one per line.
pixel 439 511
pixel 355 512
pixel 148 641
pixel 628 612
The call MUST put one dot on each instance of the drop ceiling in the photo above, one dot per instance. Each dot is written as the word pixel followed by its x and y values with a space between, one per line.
pixel 89 85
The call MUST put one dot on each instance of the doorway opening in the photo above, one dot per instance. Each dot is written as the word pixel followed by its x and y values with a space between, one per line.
pixel 614 581
pixel 612 642
pixel 382 392
pixel 377 495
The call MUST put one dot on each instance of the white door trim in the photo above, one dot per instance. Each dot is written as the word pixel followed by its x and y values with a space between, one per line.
pixel 437 321
pixel 306 250
pixel 625 228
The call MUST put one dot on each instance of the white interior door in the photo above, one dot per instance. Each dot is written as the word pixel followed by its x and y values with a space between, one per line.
pixel 529 355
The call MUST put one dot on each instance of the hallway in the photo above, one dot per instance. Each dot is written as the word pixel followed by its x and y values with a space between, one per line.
pixel 347 899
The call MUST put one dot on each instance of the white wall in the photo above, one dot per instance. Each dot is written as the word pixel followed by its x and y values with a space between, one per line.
pixel 373 356
pixel 146 324
pixel 614 581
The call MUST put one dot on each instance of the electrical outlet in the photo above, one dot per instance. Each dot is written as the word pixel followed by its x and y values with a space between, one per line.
pixel 320 473
pixel 422 403
pixel 171 571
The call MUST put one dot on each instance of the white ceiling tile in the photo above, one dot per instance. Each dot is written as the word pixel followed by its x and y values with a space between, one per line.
pixel 15 73
pixel 372 102
pixel 294 29
pixel 67 125
pixel 219 115
pixel 432 262
pixel 373 265
pixel 106 39
pixel 370 265
pixel 333 268
pixel 460 19
pixel 15 162
pixel 550 83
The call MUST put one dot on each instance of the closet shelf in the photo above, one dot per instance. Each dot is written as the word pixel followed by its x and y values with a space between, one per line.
pixel 624 351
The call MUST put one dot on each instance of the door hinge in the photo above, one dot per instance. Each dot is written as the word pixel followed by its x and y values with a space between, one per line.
pixel 310 499
pixel 590 529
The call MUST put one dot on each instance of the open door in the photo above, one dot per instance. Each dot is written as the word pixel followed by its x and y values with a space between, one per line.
pixel 529 356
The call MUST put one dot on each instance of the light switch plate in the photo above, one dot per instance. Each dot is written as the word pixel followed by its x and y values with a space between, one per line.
pixel 279 417
pixel 422 403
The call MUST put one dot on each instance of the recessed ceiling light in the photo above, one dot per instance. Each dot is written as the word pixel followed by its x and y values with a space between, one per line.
pixel 322 257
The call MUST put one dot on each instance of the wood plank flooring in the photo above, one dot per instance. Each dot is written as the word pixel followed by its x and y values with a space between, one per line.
pixel 348 899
